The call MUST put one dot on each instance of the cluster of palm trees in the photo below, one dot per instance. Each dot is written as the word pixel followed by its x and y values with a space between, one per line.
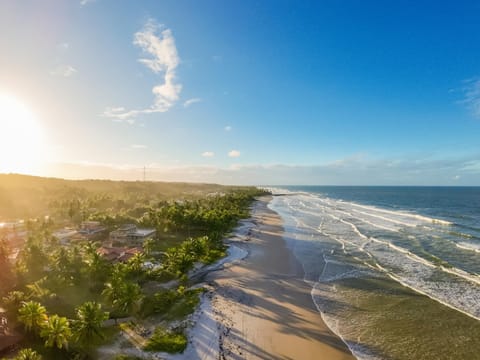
pixel 205 216
pixel 46 272
pixel 58 331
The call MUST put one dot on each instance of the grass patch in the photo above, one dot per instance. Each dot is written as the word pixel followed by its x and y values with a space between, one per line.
pixel 163 340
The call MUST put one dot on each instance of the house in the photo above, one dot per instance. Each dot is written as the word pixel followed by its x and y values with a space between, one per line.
pixel 118 254
pixel 130 234
pixel 91 229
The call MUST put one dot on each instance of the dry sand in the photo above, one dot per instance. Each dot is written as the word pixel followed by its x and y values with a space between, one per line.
pixel 261 304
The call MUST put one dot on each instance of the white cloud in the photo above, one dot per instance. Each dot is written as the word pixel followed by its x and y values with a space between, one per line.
pixel 191 101
pixel 234 153
pixel 138 146
pixel 228 128
pixel 208 154
pixel 85 2
pixel 63 70
pixel 163 58
pixel 472 95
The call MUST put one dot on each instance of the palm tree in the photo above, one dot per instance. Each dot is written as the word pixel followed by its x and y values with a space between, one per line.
pixel 135 264
pixel 33 315
pixel 56 332
pixel 125 296
pixel 130 298
pixel 28 354
pixel 89 323
pixel 98 268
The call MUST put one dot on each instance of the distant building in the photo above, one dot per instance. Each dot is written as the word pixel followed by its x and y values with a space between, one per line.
pixel 91 229
pixel 130 234
pixel 65 235
pixel 13 226
pixel 118 254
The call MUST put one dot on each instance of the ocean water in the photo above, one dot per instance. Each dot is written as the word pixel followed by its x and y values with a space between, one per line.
pixel 395 271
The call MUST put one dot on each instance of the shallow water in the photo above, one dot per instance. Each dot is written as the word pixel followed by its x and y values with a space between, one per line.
pixel 394 271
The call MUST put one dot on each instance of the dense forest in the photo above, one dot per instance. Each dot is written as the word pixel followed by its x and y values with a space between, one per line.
pixel 23 196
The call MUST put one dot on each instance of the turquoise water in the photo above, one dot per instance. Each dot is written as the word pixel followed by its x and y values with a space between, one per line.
pixel 394 270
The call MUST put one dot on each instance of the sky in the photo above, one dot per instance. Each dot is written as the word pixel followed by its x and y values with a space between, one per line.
pixel 242 92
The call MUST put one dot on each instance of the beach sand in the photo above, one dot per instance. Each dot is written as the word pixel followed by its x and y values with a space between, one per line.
pixel 260 304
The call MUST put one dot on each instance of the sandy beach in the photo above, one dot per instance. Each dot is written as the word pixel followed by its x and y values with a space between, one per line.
pixel 259 306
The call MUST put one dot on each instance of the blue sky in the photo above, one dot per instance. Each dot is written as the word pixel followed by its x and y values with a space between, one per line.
pixel 260 92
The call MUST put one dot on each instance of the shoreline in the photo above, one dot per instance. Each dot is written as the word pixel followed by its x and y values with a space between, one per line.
pixel 258 305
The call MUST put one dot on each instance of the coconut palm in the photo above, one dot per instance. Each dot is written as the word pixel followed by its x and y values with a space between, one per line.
pixel 56 332
pixel 28 354
pixel 135 264
pixel 130 298
pixel 89 323
pixel 33 315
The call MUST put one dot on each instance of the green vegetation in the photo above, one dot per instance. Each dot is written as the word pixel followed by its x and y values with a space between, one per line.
pixel 60 296
pixel 28 354
pixel 163 340
pixel 171 304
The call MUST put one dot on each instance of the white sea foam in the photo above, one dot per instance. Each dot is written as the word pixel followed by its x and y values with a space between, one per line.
pixel 349 224
pixel 469 246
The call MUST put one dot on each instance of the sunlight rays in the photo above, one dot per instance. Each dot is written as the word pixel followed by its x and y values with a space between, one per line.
pixel 22 146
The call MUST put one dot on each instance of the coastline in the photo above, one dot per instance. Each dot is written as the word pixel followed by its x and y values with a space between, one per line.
pixel 259 306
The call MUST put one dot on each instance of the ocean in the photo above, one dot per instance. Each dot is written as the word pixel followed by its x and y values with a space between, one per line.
pixel 394 270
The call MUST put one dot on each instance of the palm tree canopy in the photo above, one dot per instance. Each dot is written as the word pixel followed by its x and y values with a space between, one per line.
pixel 89 323
pixel 33 315
pixel 28 354
pixel 56 332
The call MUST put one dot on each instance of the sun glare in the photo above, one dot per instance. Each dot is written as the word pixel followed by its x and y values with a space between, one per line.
pixel 21 139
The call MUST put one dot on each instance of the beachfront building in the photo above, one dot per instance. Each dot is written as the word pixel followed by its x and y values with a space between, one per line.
pixel 131 235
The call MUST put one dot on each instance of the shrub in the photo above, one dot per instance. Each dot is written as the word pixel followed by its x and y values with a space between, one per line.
pixel 163 340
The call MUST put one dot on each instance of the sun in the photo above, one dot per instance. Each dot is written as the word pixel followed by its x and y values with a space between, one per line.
pixel 21 137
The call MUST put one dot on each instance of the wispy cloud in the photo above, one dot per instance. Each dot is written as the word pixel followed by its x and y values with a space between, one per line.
pixel 191 102
pixel 234 153
pixel 158 44
pixel 138 146
pixel 85 2
pixel 208 154
pixel 63 70
pixel 228 128
pixel 472 95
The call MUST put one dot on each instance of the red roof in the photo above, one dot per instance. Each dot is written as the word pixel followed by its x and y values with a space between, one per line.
pixel 122 254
